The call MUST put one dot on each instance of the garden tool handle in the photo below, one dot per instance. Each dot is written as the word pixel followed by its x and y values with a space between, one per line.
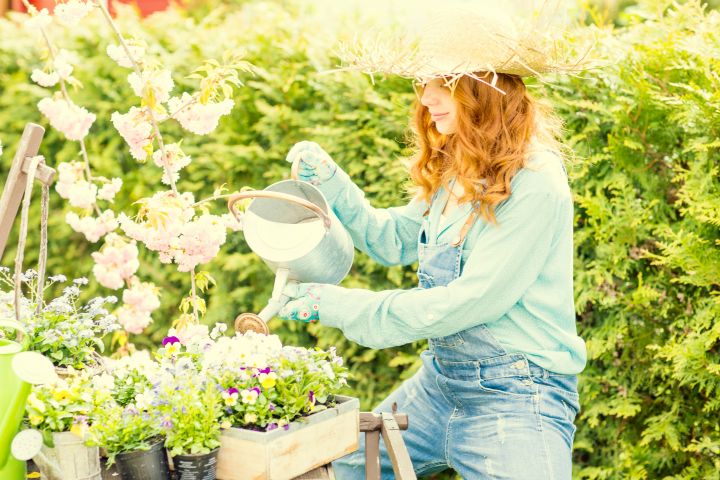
pixel 234 198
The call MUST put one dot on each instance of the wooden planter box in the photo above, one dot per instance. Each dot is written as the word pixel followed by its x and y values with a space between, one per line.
pixel 284 454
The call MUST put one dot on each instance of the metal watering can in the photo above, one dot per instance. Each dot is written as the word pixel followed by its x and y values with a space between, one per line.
pixel 292 228
pixel 19 370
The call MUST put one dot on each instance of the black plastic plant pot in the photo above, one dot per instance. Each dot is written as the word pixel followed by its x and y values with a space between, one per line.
pixel 196 467
pixel 149 464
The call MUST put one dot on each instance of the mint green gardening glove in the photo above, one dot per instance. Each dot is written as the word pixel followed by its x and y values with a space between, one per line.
pixel 316 166
pixel 304 304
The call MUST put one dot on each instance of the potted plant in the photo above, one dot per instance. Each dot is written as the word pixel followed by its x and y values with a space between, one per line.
pixel 132 438
pixel 69 332
pixel 190 405
pixel 63 411
pixel 276 399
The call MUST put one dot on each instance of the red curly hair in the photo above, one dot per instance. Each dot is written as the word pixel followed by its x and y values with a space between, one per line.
pixel 491 142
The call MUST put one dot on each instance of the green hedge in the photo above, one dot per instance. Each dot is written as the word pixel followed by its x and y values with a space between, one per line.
pixel 645 128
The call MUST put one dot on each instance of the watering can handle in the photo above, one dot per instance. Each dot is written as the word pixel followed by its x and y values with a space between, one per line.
pixel 234 198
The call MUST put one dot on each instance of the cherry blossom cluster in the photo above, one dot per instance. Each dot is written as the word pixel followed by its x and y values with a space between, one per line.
pixel 139 301
pixel 169 222
pixel 71 120
pixel 116 262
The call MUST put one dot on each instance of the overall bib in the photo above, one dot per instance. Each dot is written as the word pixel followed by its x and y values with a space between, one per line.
pixel 474 407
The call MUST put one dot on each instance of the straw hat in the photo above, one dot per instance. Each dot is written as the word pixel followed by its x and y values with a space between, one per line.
pixel 453 38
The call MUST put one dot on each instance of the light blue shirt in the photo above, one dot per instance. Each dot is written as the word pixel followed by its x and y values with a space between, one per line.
pixel 517 275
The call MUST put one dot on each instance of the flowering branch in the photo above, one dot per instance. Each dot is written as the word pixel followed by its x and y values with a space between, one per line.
pixel 148 108
pixel 66 96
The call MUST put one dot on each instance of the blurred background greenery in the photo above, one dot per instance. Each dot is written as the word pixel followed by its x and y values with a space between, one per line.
pixel 644 126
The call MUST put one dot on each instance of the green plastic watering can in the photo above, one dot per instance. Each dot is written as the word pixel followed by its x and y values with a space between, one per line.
pixel 19 370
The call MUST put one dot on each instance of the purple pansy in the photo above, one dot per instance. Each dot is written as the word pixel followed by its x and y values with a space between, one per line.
pixel 271 426
pixel 311 396
pixel 170 340
pixel 257 390
pixel 271 407
pixel 265 370
pixel 232 390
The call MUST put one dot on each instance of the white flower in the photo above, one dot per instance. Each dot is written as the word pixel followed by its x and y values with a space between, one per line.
pixel 144 401
pixel 134 126
pixel 158 82
pixel 132 320
pixel 192 333
pixel 63 64
pixel 249 396
pixel 109 190
pixel 44 79
pixel 38 20
pixel 73 121
pixel 198 118
pixel 71 12
pixel 142 297
pixel 118 54
pixel 93 228
pixel 173 161
pixel 116 262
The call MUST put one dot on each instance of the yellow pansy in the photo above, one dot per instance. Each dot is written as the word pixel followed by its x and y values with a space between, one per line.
pixel 268 380
pixel 36 403
pixel 35 419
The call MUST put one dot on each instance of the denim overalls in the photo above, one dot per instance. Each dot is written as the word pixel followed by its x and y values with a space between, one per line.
pixel 474 407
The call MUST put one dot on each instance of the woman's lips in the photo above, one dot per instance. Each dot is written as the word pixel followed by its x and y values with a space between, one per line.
pixel 438 116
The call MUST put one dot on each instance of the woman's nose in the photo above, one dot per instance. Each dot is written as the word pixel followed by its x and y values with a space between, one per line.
pixel 428 97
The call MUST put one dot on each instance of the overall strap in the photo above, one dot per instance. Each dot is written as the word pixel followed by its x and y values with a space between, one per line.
pixel 465 229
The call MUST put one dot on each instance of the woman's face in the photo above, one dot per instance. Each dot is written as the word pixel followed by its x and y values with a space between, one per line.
pixel 441 105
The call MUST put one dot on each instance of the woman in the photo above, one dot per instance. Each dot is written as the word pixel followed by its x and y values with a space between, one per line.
pixel 491 226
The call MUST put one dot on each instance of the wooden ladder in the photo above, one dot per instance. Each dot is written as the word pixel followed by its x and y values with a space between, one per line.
pixel 15 182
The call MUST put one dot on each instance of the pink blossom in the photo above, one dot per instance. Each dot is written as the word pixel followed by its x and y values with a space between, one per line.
pixel 141 297
pixel 38 20
pixel 159 82
pixel 200 241
pixel 93 228
pixel 44 79
pixel 73 121
pixel 119 55
pixel 73 187
pixel 136 129
pixel 116 262
pixel 231 222
pixel 63 64
pixel 133 321
pixel 190 333
pixel 71 12
pixel 109 190
pixel 174 161
pixel 197 117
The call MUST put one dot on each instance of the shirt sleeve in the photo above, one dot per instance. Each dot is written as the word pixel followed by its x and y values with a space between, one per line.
pixel 388 235
pixel 506 259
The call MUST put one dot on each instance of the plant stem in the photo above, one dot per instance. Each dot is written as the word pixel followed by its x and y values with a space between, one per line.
pixel 194 295
pixel 66 96
pixel 148 109
pixel 210 199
